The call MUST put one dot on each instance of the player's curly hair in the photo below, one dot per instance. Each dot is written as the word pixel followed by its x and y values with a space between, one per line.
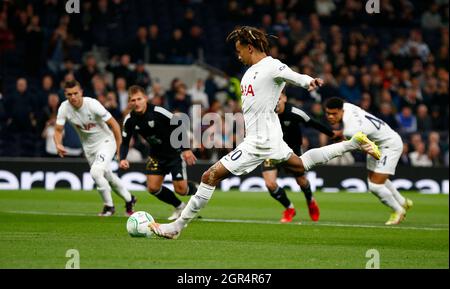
pixel 250 35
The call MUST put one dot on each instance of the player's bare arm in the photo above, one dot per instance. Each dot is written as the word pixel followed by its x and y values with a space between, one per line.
pixel 112 123
pixel 57 138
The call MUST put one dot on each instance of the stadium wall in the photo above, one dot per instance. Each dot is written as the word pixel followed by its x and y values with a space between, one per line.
pixel 25 174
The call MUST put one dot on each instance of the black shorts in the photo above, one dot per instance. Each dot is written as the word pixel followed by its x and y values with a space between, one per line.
pixel 163 166
pixel 270 165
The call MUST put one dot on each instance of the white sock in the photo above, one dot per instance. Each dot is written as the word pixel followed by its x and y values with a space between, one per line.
pixel 400 199
pixel 322 155
pixel 196 202
pixel 385 196
pixel 116 185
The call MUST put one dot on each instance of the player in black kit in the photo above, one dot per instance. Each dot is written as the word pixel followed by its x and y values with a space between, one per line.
pixel 153 124
pixel 290 118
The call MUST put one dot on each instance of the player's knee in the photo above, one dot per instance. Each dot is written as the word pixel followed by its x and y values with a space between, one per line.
pixel 303 182
pixel 206 177
pixel 180 189
pixel 97 172
pixel 153 189
pixel 271 185
pixel 373 187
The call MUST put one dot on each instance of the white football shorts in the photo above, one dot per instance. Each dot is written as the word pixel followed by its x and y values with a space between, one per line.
pixel 390 155
pixel 104 154
pixel 247 156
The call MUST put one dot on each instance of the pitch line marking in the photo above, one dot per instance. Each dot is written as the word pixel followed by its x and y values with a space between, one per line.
pixel 261 222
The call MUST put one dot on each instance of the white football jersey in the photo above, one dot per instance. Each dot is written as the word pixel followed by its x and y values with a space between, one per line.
pixel 356 119
pixel 89 121
pixel 261 87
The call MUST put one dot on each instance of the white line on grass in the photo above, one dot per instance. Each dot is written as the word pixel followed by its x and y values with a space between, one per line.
pixel 325 224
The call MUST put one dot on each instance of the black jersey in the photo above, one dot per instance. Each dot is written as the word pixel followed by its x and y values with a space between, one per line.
pixel 154 126
pixel 290 121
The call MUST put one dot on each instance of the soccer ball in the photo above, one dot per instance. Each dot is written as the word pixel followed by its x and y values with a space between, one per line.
pixel 137 224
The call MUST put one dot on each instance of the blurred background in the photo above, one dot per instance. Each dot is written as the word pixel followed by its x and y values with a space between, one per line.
pixel 394 64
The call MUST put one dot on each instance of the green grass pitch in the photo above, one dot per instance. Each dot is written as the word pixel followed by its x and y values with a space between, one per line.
pixel 237 230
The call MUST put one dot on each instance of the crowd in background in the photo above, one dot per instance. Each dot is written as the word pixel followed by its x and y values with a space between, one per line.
pixel 393 64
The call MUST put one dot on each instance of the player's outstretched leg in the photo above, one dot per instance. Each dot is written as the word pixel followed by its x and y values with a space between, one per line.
pixel 210 179
pixel 324 154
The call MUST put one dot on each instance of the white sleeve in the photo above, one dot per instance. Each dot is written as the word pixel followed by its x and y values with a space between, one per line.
pixel 301 114
pixel 61 116
pixel 100 110
pixel 285 73
pixel 352 122
pixel 164 112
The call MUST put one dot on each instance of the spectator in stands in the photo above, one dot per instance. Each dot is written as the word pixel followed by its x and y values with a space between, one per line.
pixel 182 100
pixel 424 122
pixel 157 48
pixel 325 8
pixel 62 41
pixel 20 109
pixel 415 47
pixel 47 124
pixel 211 88
pixel 47 87
pixel 121 69
pixel 141 77
pixel 407 122
pixel 156 91
pixel 112 106
pixel 122 93
pixel 197 92
pixel 431 19
pixel 195 43
pixel 140 49
pixel 419 157
pixel 434 137
pixel 404 158
pixel 99 87
pixel 350 91
pixel 387 115
pixel 434 154
pixel 87 72
pixel 176 48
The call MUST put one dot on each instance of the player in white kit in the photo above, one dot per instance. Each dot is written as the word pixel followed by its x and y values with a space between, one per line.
pixel 261 87
pixel 100 136
pixel 355 119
